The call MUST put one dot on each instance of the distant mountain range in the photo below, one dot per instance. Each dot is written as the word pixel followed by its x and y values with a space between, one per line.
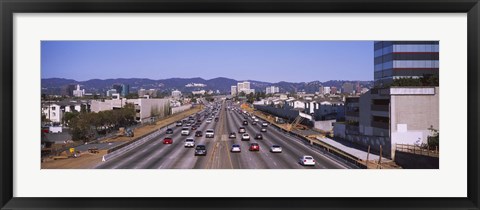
pixel 55 85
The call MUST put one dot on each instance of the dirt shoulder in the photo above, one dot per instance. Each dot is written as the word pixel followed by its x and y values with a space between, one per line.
pixel 85 161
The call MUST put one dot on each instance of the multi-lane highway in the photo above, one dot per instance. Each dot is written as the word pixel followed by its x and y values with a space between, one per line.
pixel 156 155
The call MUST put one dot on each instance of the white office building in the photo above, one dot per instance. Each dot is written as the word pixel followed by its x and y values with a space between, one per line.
pixel 176 94
pixel 78 92
pixel 272 90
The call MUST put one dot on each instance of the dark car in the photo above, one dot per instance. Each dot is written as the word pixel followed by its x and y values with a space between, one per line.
pixel 198 133
pixel 258 136
pixel 232 135
pixel 194 127
pixel 167 140
pixel 169 131
pixel 200 150
pixel 216 119
pixel 245 122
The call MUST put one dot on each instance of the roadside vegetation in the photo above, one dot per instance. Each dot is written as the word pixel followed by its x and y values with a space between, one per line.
pixel 86 125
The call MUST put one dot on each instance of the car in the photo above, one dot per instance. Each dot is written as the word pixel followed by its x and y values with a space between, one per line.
pixel 200 150
pixel 245 137
pixel 263 130
pixel 307 160
pixel 185 131
pixel 189 142
pixel 194 127
pixel 169 131
pixel 167 140
pixel 241 130
pixel 275 149
pixel 179 124
pixel 254 147
pixel 258 136
pixel 209 120
pixel 198 133
pixel 232 135
pixel 188 124
pixel 235 148
pixel 245 122
pixel 264 124
pixel 254 123
pixel 216 119
pixel 209 133
pixel 256 120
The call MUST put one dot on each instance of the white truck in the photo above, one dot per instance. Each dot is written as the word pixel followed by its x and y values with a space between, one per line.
pixel 209 133
pixel 55 129
pixel 185 131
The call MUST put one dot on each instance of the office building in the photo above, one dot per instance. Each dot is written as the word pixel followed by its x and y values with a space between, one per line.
pixel 404 59
pixel 125 90
pixel 272 90
pixel 233 90
pixel 78 93
pixel 176 94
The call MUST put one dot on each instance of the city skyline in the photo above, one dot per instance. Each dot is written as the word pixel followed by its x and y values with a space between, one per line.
pixel 275 61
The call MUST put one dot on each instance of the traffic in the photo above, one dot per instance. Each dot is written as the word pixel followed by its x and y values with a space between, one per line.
pixel 223 136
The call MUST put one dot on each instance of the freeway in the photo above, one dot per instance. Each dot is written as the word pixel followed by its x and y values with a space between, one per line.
pixel 156 155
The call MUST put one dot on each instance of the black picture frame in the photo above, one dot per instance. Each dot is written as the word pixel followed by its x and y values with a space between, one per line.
pixel 10 7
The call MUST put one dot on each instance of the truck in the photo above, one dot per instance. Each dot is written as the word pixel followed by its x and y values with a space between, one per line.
pixel 185 131
pixel 55 129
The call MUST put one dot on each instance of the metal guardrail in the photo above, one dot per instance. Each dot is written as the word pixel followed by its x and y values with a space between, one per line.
pixel 331 150
pixel 123 148
pixel 414 149
pixel 132 145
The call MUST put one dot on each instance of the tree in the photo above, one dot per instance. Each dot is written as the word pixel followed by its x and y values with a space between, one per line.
pixel 250 97
pixel 407 82
pixel 68 116
pixel 433 139
pixel 132 96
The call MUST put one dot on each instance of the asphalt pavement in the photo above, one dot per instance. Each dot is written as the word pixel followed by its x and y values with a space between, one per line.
pixel 156 155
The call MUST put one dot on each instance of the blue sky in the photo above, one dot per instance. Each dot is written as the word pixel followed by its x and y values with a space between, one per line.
pixel 269 61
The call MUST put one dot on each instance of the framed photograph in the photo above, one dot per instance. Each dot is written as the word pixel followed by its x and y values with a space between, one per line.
pixel 239 105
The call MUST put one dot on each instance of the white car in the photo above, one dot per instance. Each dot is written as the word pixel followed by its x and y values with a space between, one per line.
pixel 235 148
pixel 264 124
pixel 307 160
pixel 189 142
pixel 246 137
pixel 256 120
pixel 185 131
pixel 275 149
pixel 209 133
pixel 209 120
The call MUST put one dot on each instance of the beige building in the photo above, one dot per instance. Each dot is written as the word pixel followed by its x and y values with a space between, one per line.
pixel 145 108
pixel 395 115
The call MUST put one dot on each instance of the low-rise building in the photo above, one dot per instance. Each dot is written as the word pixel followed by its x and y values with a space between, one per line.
pixel 145 108
pixel 55 110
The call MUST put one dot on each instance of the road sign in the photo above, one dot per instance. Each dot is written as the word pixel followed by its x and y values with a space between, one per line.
pixel 72 150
